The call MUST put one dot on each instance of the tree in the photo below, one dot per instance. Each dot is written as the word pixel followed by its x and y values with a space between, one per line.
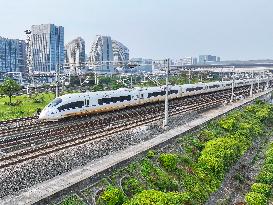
pixel 9 88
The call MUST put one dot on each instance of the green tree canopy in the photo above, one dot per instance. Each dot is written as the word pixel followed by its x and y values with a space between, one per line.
pixel 9 87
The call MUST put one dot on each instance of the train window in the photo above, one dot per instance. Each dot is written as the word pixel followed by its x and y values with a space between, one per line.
pixel 173 91
pixel 155 94
pixel 72 105
pixel 126 98
pixel 114 99
pixel 55 102
pixel 194 89
pixel 214 86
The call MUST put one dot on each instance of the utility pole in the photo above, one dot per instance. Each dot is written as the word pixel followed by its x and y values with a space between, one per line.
pixel 251 88
pixel 233 81
pixel 258 82
pixel 165 122
pixel 267 82
pixel 57 81
pixel 29 60
pixel 131 79
pixel 222 76
pixel 189 76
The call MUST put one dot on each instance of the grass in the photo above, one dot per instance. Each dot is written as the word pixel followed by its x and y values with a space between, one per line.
pixel 27 106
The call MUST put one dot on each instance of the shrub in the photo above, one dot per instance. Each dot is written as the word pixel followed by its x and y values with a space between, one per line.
pixel 154 197
pixel 253 198
pixel 157 178
pixel 268 168
pixel 227 123
pixel 219 154
pixel 269 159
pixel 206 135
pixel 151 154
pixel 265 177
pixel 132 186
pixel 111 196
pixel 169 161
pixel 263 189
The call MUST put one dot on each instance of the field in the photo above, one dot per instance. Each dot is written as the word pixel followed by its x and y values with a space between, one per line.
pixel 23 106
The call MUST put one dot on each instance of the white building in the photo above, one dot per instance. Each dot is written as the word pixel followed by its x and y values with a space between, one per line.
pixel 101 54
pixel 107 54
pixel 120 52
pixel 75 54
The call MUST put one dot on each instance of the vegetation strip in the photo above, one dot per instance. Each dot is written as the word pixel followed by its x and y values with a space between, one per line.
pixel 194 170
pixel 261 189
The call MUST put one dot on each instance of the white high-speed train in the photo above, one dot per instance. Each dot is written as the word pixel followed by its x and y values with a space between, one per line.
pixel 102 101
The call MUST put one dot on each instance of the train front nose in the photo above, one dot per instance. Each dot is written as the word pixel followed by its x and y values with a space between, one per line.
pixel 48 114
pixel 44 114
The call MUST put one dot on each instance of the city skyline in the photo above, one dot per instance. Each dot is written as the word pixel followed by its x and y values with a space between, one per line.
pixel 155 29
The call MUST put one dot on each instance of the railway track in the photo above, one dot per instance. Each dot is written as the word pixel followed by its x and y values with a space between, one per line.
pixel 20 143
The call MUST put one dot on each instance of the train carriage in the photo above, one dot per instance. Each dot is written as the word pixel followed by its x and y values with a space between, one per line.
pixel 102 101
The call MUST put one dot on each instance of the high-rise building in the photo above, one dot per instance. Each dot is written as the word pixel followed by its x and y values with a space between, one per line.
pixel 101 54
pixel 120 51
pixel 12 55
pixel 47 48
pixel 203 59
pixel 75 54
pixel 106 54
pixel 188 61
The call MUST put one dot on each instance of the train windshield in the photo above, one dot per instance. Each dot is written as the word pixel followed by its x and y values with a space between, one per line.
pixel 55 102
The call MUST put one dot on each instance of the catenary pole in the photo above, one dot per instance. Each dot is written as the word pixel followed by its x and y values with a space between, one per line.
pixel 165 122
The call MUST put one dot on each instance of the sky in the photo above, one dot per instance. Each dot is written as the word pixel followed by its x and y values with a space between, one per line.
pixel 231 29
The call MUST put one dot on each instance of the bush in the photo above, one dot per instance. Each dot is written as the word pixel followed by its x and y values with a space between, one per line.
pixel 151 154
pixel 156 178
pixel 253 198
pixel 265 177
pixel 132 186
pixel 260 188
pixel 268 168
pixel 112 196
pixel 169 161
pixel 218 155
pixel 227 123
pixel 269 159
pixel 154 197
